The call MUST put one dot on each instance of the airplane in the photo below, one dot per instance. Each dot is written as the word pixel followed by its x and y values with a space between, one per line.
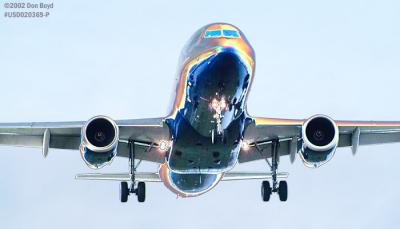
pixel 207 132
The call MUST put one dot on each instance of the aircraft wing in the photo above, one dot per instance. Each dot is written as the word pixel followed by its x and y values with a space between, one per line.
pixel 262 131
pixel 67 135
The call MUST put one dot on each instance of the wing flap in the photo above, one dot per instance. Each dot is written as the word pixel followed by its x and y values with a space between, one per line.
pixel 144 130
pixel 64 135
pixel 146 152
pixel 262 150
pixel 345 140
pixel 21 140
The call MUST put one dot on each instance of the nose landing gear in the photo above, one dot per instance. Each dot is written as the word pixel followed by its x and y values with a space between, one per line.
pixel 219 107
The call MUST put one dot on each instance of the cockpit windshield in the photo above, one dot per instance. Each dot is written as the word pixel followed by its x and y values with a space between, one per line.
pixel 212 33
pixel 228 33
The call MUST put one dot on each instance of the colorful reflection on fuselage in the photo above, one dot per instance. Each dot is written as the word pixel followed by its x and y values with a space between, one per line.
pixel 188 185
pixel 208 115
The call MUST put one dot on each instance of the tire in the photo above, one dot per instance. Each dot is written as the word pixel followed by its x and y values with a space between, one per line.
pixel 283 191
pixel 266 191
pixel 124 192
pixel 141 192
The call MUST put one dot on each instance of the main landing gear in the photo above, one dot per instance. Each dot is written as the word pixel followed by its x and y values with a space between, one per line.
pixel 281 188
pixel 126 190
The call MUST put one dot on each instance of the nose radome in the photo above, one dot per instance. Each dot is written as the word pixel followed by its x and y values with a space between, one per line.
pixel 226 56
pixel 226 65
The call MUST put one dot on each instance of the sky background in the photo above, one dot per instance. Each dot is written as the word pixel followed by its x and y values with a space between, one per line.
pixel 119 58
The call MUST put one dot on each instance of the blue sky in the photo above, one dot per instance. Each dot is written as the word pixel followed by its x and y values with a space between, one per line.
pixel 339 58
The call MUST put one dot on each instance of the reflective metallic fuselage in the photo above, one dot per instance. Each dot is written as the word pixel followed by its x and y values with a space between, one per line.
pixel 208 116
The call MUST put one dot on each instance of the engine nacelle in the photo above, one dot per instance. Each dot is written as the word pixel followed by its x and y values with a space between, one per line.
pixel 99 141
pixel 320 136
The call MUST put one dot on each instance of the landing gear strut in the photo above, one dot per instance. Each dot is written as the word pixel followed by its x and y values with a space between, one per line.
pixel 281 188
pixel 125 190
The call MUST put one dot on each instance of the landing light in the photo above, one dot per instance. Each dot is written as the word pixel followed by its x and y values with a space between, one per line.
pixel 215 104
pixel 163 145
pixel 245 146
pixel 222 103
pixel 218 105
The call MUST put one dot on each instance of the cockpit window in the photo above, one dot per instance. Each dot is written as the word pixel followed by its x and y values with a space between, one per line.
pixel 212 33
pixel 229 33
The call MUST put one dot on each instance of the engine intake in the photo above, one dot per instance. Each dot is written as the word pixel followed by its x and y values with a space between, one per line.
pixel 99 141
pixel 320 136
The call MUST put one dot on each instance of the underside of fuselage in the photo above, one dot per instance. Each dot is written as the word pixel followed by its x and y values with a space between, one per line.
pixel 207 139
pixel 209 117
pixel 188 185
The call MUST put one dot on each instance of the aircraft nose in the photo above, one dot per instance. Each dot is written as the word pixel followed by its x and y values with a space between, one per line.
pixel 224 73
pixel 226 57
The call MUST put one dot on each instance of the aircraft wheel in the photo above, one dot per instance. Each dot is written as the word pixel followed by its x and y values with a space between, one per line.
pixel 141 192
pixel 124 192
pixel 283 190
pixel 265 190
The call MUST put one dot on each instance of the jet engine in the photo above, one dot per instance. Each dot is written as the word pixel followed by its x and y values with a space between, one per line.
pixel 99 141
pixel 320 137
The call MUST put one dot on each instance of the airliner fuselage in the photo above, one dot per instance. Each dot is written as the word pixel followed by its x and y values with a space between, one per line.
pixel 208 116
